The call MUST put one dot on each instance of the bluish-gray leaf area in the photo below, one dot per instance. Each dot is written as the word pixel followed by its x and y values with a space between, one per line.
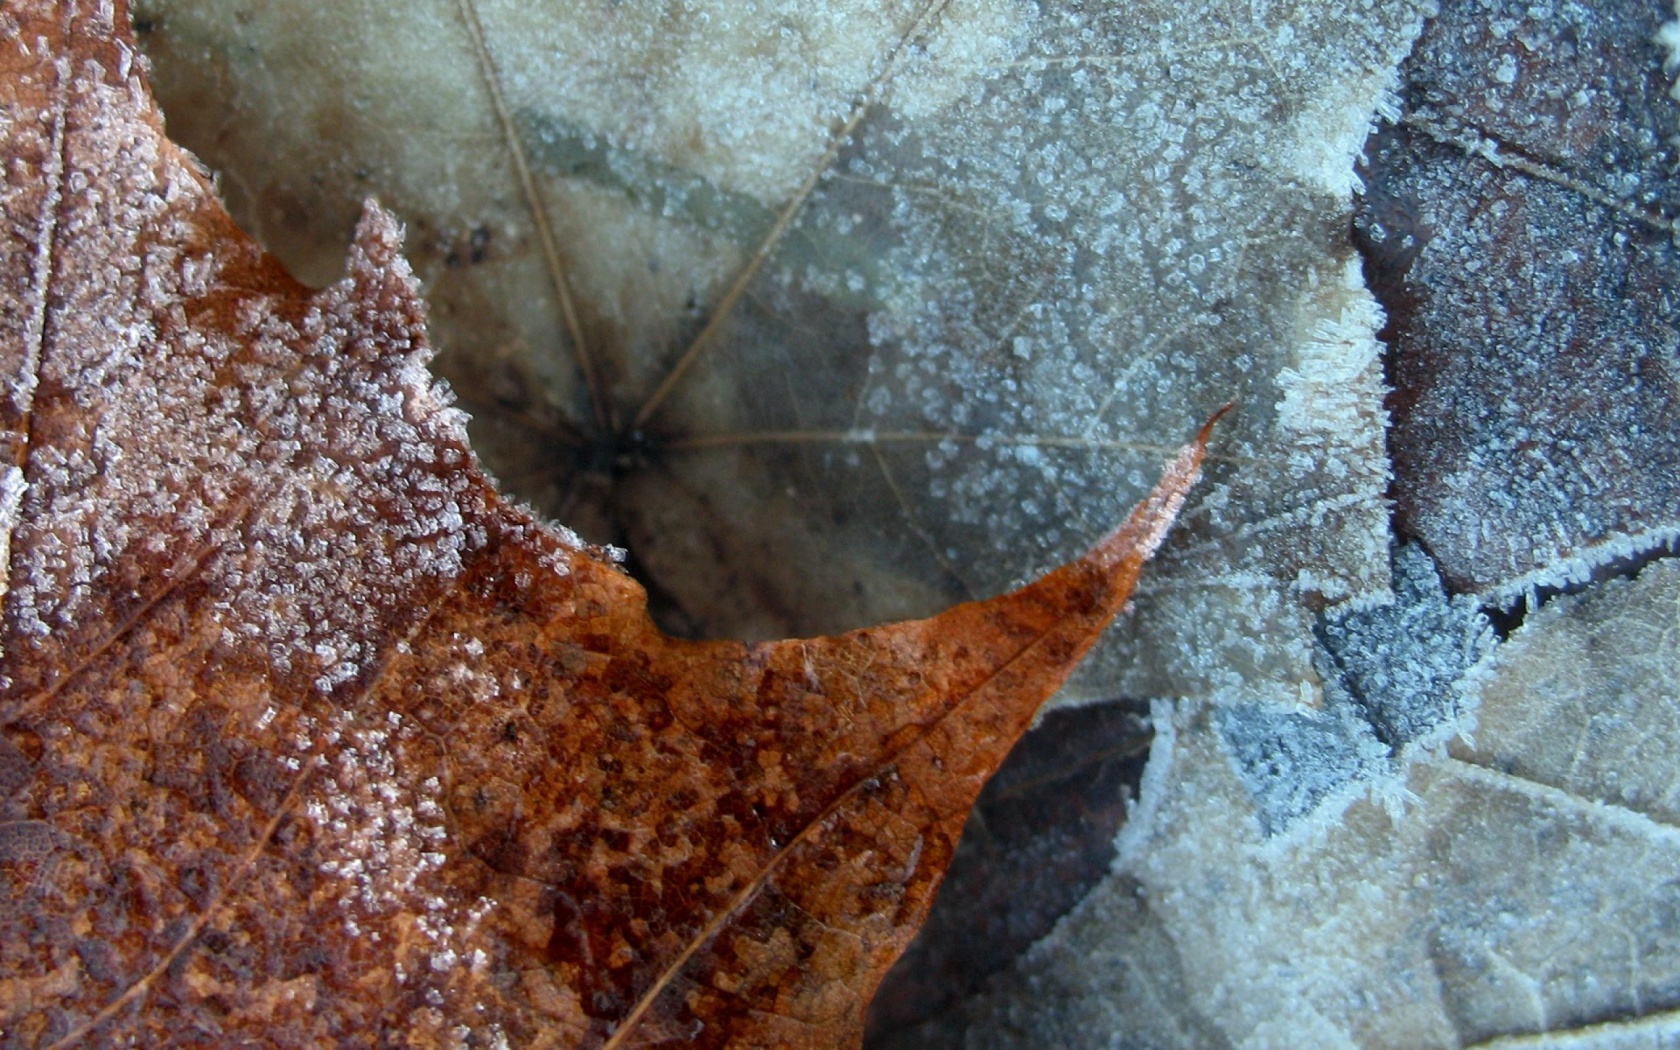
pixel 1391 684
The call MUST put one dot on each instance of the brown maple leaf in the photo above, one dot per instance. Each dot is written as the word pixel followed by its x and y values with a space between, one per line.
pixel 309 738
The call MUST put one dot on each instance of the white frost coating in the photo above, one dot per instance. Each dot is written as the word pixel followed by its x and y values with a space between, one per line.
pixel 1581 564
pixel 743 94
pixel 1530 432
pixel 1393 690
pixel 377 826
pixel 1609 658
pixel 1330 131
pixel 1334 390
pixel 12 487
pixel 1142 814
pixel 1246 921
pixel 378 510
pixel 1092 206
pixel 1658 1031
pixel 302 467
pixel 1338 366
pixel 1247 637
pixel 1510 903
pixel 69 522
pixel 1074 263
pixel 1668 38
pixel 290 491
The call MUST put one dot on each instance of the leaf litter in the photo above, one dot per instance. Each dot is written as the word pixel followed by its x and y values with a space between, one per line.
pixel 692 233
pixel 1505 884
pixel 1047 235
pixel 308 732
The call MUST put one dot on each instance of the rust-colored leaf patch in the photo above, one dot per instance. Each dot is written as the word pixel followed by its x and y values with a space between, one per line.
pixel 311 739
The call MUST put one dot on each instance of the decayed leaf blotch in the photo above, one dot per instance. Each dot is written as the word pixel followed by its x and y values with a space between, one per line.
pixel 307 737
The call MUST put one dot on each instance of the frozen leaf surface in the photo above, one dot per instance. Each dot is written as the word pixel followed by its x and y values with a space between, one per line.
pixel 307 736
pixel 1522 894
pixel 1519 229
pixel 910 296
pixel 1284 880
pixel 1391 688
pixel 1607 665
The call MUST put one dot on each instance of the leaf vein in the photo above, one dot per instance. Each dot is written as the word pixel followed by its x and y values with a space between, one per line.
pixel 539 218
pixel 726 306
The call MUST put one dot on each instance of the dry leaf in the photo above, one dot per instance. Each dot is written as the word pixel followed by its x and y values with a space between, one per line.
pixel 1355 876
pixel 309 738
pixel 1519 226
pixel 1039 838
pixel 1055 231
pixel 1521 892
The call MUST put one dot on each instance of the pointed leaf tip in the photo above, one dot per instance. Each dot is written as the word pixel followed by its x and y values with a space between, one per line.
pixel 1138 537
pixel 893 731
pixel 376 256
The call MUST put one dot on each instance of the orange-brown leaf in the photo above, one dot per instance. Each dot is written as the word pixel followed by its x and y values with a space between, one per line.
pixel 311 739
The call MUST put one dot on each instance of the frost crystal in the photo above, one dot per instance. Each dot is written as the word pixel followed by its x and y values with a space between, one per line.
pixel 1392 687
pixel 1668 38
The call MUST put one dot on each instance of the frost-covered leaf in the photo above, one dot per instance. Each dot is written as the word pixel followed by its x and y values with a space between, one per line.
pixel 1524 890
pixel 1584 697
pixel 1284 880
pixel 1391 688
pixel 1050 233
pixel 308 737
pixel 1519 227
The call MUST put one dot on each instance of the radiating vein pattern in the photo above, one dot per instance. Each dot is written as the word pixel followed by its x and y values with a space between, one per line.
pixel 1020 229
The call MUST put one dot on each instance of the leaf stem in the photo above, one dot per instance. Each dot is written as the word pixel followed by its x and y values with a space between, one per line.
pixel 1473 143
pixel 865 436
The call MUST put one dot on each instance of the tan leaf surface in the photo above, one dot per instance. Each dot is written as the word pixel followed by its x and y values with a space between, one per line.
pixel 309 738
